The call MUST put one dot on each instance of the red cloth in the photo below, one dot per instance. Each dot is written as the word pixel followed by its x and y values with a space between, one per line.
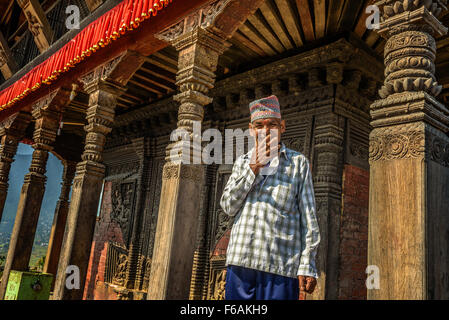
pixel 110 26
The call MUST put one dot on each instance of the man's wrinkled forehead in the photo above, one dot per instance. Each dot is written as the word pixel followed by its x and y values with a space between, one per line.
pixel 267 121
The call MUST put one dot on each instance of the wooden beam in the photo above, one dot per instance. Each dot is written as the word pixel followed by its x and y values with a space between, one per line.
pixel 258 22
pixel 160 64
pixel 160 74
pixel 349 15
pixel 166 58
pixel 260 41
pixel 306 19
pixel 319 9
pixel 149 80
pixel 443 43
pixel 333 15
pixel 379 48
pixel 8 65
pixel 288 16
pixel 37 23
pixel 139 84
pixel 7 11
pixel 276 24
pixel 248 44
pixel 235 56
pixel 373 36
pixel 360 28
pixel 130 95
pixel 126 100
pixel 93 4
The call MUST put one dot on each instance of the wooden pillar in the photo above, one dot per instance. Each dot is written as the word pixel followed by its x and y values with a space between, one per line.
pixel 47 114
pixel 409 160
pixel 327 178
pixel 59 220
pixel 202 254
pixel 87 184
pixel 104 85
pixel 37 23
pixel 12 131
pixel 171 267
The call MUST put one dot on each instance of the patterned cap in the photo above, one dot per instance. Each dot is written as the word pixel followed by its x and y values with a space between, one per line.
pixel 265 108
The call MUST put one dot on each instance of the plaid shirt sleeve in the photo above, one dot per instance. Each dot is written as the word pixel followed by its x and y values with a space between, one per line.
pixel 310 233
pixel 238 186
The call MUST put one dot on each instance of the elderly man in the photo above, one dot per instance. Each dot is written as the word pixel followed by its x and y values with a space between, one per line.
pixel 272 249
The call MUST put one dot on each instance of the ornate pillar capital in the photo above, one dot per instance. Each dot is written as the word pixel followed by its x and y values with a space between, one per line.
pixel 12 130
pixel 15 125
pixel 199 47
pixel 101 78
pixel 410 54
pixel 408 15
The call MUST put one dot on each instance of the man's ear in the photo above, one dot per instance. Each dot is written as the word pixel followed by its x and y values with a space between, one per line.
pixel 283 126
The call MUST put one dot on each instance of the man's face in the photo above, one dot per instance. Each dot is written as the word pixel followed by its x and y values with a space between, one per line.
pixel 263 127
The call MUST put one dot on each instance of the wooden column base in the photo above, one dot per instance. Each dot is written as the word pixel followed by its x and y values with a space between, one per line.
pixel 22 238
pixel 81 225
pixel 409 212
pixel 174 246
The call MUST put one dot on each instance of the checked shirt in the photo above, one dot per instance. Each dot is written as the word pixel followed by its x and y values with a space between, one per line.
pixel 275 228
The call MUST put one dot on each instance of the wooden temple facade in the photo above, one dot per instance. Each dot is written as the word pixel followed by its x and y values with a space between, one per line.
pixel 368 107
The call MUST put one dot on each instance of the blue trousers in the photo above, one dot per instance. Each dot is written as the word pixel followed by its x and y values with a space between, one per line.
pixel 249 284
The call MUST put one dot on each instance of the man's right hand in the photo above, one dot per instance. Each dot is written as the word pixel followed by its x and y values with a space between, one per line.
pixel 263 153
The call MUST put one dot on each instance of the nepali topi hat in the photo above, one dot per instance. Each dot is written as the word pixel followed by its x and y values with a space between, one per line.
pixel 265 108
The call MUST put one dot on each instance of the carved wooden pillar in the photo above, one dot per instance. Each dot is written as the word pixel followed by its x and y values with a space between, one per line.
pixel 37 23
pixel 59 220
pixel 409 159
pixel 201 255
pixel 171 268
pixel 47 114
pixel 88 179
pixel 12 131
pixel 327 170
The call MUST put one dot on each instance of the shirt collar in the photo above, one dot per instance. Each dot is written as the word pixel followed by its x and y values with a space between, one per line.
pixel 284 151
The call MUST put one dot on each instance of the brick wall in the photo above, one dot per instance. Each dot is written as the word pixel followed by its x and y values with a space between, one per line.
pixel 354 234
pixel 105 231
pixel 222 244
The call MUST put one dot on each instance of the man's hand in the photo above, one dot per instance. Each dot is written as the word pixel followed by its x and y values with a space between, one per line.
pixel 306 284
pixel 264 152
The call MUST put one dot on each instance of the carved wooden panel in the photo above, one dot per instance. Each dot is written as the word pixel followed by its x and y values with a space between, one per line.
pixel 220 222
pixel 123 207
pixel 217 279
pixel 357 145
pixel 116 263
pixel 152 212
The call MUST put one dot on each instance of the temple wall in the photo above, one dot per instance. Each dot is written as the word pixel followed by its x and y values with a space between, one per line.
pixel 326 108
